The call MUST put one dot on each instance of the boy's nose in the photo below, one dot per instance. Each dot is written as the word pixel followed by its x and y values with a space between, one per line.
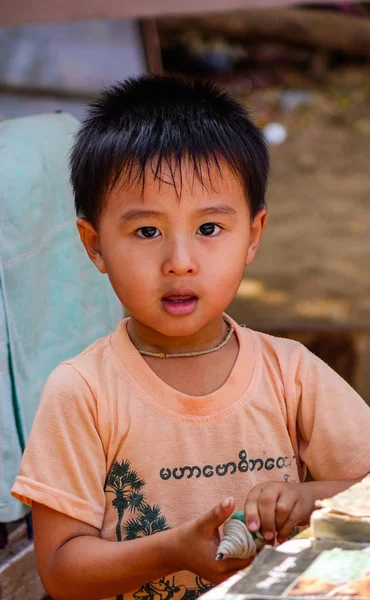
pixel 179 261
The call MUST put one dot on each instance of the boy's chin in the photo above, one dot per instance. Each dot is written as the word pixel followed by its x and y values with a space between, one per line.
pixel 185 326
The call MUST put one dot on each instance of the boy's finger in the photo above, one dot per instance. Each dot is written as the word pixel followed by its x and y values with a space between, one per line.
pixel 293 520
pixel 284 507
pixel 252 515
pixel 267 507
pixel 214 518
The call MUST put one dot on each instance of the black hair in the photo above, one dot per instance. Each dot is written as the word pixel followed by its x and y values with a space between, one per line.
pixel 151 120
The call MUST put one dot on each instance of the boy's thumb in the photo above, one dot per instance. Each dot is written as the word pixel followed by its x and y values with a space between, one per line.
pixel 214 518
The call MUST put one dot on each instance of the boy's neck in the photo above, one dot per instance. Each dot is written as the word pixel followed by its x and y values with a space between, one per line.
pixel 149 340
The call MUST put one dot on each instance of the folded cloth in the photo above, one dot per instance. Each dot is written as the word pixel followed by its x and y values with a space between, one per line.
pixel 55 301
pixel 10 449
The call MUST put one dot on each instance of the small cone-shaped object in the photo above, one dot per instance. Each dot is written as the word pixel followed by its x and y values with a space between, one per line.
pixel 238 541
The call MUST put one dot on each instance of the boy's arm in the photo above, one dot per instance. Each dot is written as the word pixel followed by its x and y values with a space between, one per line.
pixel 329 425
pixel 74 563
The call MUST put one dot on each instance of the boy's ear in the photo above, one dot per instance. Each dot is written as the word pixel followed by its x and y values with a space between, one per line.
pixel 90 239
pixel 257 226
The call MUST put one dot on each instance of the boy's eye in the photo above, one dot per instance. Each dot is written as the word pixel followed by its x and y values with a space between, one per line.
pixel 209 229
pixel 148 232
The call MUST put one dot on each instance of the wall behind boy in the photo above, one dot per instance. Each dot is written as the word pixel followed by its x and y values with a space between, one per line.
pixel 312 267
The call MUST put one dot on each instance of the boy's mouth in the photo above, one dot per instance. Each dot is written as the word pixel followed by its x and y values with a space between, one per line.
pixel 182 303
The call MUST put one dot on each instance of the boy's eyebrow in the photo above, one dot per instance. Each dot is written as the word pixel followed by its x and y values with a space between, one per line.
pixel 139 213
pixel 223 209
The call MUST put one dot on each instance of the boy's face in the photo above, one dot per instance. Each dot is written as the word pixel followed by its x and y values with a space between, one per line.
pixel 175 264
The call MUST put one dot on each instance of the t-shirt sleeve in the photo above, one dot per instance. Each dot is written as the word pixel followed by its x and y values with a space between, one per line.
pixel 64 463
pixel 333 422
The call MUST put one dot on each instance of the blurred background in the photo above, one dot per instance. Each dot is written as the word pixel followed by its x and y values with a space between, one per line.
pixel 303 70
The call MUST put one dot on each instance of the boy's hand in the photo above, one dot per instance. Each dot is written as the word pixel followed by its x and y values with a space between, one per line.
pixel 277 508
pixel 197 542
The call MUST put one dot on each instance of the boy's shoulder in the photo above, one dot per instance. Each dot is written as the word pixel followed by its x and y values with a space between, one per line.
pixel 280 344
pixel 92 355
pixel 291 361
pixel 86 368
pixel 285 357
pixel 274 346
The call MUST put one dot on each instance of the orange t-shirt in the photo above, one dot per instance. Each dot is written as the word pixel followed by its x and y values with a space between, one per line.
pixel 107 428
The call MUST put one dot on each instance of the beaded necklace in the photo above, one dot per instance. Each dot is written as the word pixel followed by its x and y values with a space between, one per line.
pixel 196 352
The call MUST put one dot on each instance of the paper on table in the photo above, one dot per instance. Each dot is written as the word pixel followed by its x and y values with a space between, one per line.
pixel 354 502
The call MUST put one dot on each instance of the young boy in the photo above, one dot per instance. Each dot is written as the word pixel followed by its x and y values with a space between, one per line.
pixel 180 416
